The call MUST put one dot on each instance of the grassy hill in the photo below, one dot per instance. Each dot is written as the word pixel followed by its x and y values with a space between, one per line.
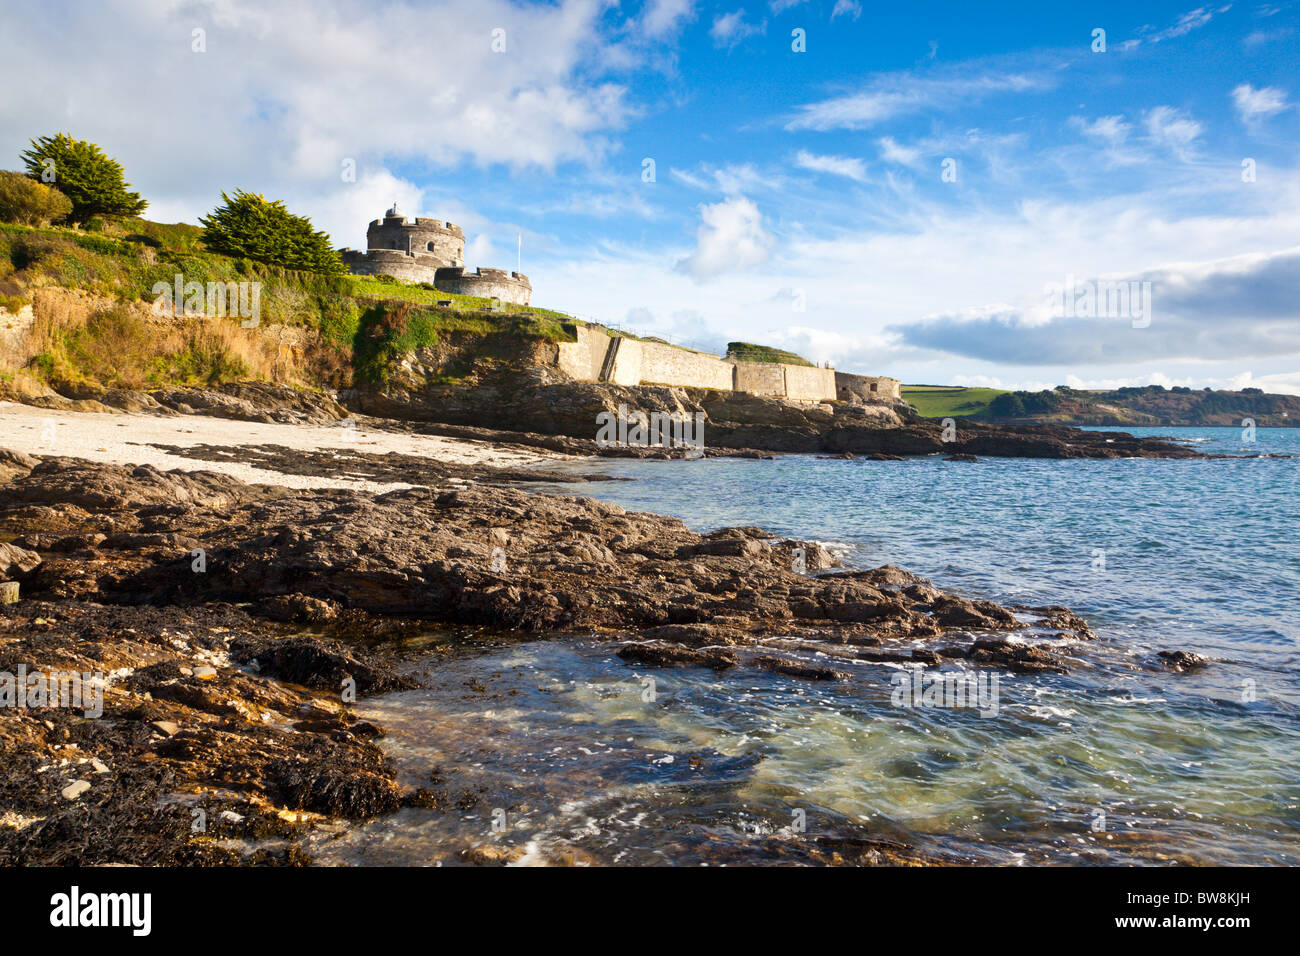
pixel 949 401
pixel 1146 405
pixel 749 352
pixel 1151 405
pixel 314 330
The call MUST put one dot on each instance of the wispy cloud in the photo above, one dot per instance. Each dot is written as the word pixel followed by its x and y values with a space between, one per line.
pixel 1192 20
pixel 1173 129
pixel 730 29
pixel 1111 130
pixel 664 17
pixel 847 166
pixel 898 94
pixel 892 151
pixel 732 179
pixel 1253 104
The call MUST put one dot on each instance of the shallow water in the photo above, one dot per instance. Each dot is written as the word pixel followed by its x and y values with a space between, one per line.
pixel 1198 767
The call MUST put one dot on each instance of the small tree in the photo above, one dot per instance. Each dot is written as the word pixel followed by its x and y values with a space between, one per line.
pixel 82 172
pixel 30 203
pixel 250 226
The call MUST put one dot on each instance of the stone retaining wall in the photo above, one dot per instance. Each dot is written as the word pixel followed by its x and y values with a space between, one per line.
pixel 598 356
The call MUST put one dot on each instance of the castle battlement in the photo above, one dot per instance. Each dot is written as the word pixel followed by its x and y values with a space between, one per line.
pixel 419 223
pixel 490 283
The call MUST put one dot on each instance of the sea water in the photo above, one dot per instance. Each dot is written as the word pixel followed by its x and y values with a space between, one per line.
pixel 559 746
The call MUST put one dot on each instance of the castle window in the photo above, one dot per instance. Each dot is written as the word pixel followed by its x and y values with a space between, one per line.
pixel 429 247
pixel 873 386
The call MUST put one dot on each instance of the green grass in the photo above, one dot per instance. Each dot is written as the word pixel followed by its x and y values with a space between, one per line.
pixel 390 329
pixel 945 401
pixel 371 287
pixel 749 352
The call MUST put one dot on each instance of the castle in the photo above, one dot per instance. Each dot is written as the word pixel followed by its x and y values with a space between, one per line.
pixel 432 251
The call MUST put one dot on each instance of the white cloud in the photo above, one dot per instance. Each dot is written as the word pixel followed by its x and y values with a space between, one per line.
pixel 285 93
pixel 730 238
pixel 898 94
pixel 850 8
pixel 730 28
pixel 1111 130
pixel 1186 23
pixel 1245 306
pixel 1286 383
pixel 892 151
pixel 731 180
pixel 1172 128
pixel 1258 104
pixel 1259 38
pixel 847 166
pixel 664 17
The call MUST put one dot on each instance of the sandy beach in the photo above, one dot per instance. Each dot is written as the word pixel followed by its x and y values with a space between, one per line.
pixel 135 439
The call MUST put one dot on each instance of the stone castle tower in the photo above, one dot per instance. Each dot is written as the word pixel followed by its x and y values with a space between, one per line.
pixel 432 251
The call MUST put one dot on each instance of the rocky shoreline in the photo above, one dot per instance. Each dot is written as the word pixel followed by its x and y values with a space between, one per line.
pixel 528 409
pixel 508 403
pixel 233 620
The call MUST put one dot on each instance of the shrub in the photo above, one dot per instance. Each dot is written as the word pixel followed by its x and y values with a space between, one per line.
pixel 81 171
pixel 13 302
pixel 252 227
pixel 25 201
pixel 205 360
pixel 1007 405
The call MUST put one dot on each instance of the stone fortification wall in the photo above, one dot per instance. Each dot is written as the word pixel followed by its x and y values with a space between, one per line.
pixel 489 283
pixel 584 359
pixel 392 262
pixel 667 365
pixel 807 384
pixel 760 378
pixel 867 388
pixel 597 356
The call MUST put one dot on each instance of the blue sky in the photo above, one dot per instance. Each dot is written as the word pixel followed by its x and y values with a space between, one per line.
pixel 798 198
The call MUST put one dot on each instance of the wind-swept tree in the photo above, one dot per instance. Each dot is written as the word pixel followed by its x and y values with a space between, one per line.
pixel 81 171
pixel 250 226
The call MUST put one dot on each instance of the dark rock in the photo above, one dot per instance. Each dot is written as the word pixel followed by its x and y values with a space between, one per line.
pixel 796 668
pixel 661 654
pixel 1182 661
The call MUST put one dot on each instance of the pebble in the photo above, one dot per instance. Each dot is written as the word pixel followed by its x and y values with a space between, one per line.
pixel 75 789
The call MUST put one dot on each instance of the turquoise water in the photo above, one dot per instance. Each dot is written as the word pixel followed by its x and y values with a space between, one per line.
pixel 1199 767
